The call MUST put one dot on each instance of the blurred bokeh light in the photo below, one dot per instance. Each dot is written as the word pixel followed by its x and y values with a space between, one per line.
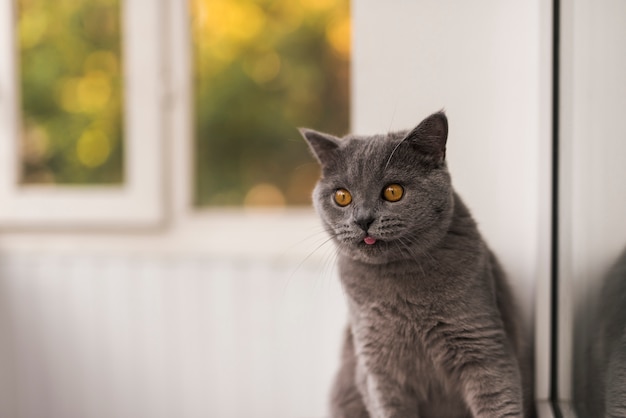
pixel 263 68
pixel 71 91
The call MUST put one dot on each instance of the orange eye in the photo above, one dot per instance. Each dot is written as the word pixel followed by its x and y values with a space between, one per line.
pixel 343 197
pixel 393 193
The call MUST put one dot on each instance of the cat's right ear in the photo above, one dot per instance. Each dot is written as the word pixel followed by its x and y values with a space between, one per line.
pixel 430 137
pixel 322 145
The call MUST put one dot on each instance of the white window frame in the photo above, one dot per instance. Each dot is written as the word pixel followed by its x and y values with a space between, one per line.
pixel 153 212
pixel 139 200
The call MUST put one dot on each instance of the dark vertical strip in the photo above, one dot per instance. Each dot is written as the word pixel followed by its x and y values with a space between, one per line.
pixel 554 273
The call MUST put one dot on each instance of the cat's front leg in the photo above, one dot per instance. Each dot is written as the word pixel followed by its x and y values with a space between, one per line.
pixel 493 392
pixel 384 395
pixel 346 400
pixel 487 371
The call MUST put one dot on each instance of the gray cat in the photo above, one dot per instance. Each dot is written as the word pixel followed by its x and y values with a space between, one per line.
pixel 433 327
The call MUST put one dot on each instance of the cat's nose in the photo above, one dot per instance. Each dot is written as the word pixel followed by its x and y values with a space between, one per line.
pixel 364 223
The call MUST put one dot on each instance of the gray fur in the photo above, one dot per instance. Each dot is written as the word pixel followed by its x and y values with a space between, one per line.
pixel 433 328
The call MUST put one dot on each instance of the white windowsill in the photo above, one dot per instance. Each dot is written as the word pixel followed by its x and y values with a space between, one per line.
pixel 231 233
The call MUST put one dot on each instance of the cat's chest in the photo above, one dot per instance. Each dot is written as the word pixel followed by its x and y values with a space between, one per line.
pixel 393 341
pixel 401 289
pixel 391 324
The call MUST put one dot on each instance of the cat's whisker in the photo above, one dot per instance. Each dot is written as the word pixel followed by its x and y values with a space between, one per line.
pixel 415 257
pixel 392 153
pixel 330 264
pixel 304 260
pixel 414 241
pixel 393 116
pixel 407 248
pixel 311 236
pixel 326 261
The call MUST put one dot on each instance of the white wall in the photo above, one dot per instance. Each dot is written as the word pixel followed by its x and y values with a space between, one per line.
pixel 143 336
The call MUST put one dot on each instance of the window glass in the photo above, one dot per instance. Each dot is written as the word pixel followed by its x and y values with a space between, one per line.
pixel 71 91
pixel 262 69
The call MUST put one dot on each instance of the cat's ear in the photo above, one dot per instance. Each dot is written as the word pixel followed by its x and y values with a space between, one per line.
pixel 430 137
pixel 322 145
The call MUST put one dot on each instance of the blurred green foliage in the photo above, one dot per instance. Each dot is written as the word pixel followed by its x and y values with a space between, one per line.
pixel 262 69
pixel 71 84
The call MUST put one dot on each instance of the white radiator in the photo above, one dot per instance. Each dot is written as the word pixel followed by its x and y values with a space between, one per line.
pixel 151 337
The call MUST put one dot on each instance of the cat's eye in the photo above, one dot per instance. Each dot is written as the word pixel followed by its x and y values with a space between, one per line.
pixel 393 192
pixel 342 197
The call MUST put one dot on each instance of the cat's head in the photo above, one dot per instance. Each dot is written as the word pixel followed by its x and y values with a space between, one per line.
pixel 384 197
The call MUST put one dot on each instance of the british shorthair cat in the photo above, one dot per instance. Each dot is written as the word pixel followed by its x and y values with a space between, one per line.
pixel 433 329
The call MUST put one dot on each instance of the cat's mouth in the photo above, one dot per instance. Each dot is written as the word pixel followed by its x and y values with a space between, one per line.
pixel 369 240
pixel 371 243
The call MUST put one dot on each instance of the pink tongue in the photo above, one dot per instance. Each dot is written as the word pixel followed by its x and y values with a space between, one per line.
pixel 369 240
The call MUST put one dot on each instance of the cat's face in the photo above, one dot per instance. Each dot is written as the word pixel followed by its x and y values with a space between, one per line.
pixel 387 197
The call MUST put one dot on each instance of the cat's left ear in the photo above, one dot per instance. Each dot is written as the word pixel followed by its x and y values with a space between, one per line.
pixel 322 145
pixel 430 137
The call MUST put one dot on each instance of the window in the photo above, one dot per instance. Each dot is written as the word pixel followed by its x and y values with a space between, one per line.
pixel 129 180
pixel 70 77
pixel 87 104
pixel 262 69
